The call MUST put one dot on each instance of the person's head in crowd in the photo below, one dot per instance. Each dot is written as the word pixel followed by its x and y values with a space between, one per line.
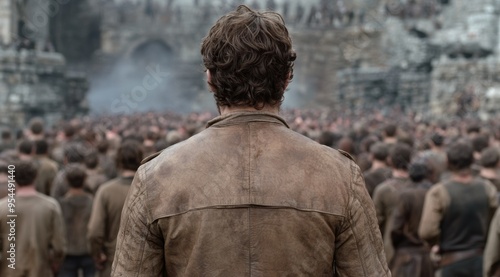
pixel 346 144
pixel 129 156
pixel 479 143
pixel 327 138
pixel 367 142
pixel 400 156
pixel 102 146
pixel 26 173
pixel 379 152
pixel 6 136
pixel 41 147
pixel 460 156
pixel 74 153
pixel 25 149
pixel 406 139
pixel 390 133
pixel 36 128
pixel 473 130
pixel 76 176
pixel 91 159
pixel 490 158
pixel 437 140
pixel 248 57
pixel 69 131
pixel 418 172
pixel 4 178
pixel 433 170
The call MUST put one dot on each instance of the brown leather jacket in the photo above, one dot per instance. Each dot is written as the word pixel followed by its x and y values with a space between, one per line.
pixel 249 197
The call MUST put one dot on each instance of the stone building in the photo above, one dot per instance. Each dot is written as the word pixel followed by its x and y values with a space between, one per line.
pixel 420 55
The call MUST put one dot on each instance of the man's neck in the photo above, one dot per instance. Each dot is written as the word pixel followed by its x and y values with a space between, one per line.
pixel 29 190
pixel 378 164
pixel 127 173
pixel 76 191
pixel 225 110
pixel 462 176
pixel 398 173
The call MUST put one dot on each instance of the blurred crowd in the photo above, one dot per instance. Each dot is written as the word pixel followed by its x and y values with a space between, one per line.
pixel 85 164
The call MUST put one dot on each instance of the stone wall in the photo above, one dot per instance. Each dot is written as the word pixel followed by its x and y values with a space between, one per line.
pixel 36 84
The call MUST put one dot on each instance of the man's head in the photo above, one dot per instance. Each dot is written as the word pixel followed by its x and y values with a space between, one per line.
pixel 75 175
pixel 129 155
pixel 36 126
pixel 26 172
pixel 418 171
pixel 26 147
pixel 400 156
pixel 437 139
pixel 91 159
pixel 460 156
pixel 41 147
pixel 249 58
pixel 74 153
pixel 490 158
pixel 379 151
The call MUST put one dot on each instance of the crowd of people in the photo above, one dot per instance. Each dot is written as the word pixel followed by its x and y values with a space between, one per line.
pixel 81 170
pixel 255 191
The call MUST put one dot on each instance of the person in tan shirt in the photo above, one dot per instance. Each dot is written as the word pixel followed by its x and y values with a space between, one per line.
pixel 40 240
pixel 248 196
pixel 107 208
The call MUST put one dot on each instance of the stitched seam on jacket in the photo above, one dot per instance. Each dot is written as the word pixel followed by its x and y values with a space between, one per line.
pixel 368 218
pixel 349 218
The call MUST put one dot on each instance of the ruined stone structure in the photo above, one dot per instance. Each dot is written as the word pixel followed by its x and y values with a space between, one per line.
pixel 428 56
pixel 34 80
pixel 36 84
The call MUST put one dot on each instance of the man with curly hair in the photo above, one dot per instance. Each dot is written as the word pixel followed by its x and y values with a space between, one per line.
pixel 248 196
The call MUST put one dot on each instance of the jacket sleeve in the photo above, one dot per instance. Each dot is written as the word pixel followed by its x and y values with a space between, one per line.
pixel 359 247
pixel 492 251
pixel 139 247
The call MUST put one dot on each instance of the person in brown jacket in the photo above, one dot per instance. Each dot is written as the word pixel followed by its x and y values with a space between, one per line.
pixel 40 240
pixel 248 196
pixel 492 251
pixel 107 208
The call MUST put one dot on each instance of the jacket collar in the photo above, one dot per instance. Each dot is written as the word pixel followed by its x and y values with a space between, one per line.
pixel 245 117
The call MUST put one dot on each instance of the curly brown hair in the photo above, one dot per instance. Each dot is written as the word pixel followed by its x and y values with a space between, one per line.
pixel 250 58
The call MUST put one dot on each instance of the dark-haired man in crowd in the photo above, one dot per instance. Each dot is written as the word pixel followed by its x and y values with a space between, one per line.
pixel 25 150
pixel 456 215
pixel 74 153
pixel 94 178
pixel 490 166
pixel 386 194
pixel 248 196
pixel 412 254
pixel 107 208
pixel 39 238
pixel 379 171
pixel 7 141
pixel 47 168
pixel 76 207
pixel 437 154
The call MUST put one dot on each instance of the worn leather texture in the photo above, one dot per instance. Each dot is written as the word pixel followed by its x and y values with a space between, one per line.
pixel 249 197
